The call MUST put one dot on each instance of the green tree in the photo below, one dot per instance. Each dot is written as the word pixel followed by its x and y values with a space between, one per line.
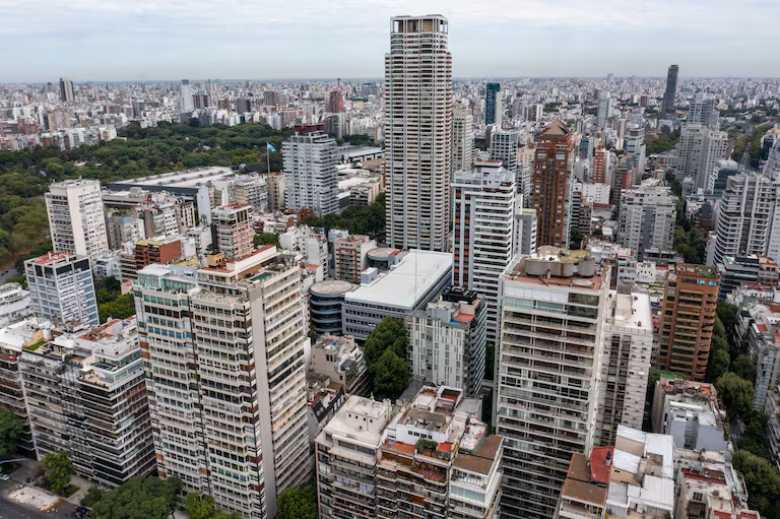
pixel 266 238
pixel 11 429
pixel 298 503
pixel 718 362
pixel 199 506
pixel 149 498
pixel 390 376
pixel 763 483
pixel 743 366
pixel 57 469
pixel 736 394
pixel 121 307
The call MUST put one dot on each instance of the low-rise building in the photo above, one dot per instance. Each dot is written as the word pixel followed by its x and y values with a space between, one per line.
pixel 341 361
pixel 326 300
pixel 349 256
pixel 15 303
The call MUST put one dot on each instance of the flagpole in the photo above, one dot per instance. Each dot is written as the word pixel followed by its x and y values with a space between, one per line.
pixel 268 157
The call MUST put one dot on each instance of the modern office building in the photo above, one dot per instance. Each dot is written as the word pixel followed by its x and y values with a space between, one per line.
pixel 625 365
pixel 349 255
pixel 76 220
pixel 430 458
pixel 494 110
pixel 447 342
pixel 62 289
pixel 416 280
pixel 233 234
pixel 745 217
pixel 310 171
pixel 687 320
pixel 647 218
pixel 485 233
pixel 462 140
pixel 224 354
pixel 667 106
pixel 554 310
pixel 552 183
pixel 85 394
pixel 418 133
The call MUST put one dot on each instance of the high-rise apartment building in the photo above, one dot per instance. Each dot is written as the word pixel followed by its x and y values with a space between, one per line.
pixel 700 150
pixel 462 140
pixel 418 133
pixel 625 364
pixel 745 217
pixel 447 342
pixel 62 290
pixel 335 102
pixel 223 350
pixel 85 394
pixel 485 233
pixel 647 217
pixel 553 312
pixel 687 320
pixel 703 110
pixel 494 111
pixel 604 109
pixel 310 171
pixel 527 228
pixel 552 183
pixel 667 107
pixel 600 171
pixel 66 91
pixel 76 220
pixel 504 146
pixel 232 230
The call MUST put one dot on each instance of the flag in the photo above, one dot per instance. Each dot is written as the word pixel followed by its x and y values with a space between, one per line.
pixel 270 147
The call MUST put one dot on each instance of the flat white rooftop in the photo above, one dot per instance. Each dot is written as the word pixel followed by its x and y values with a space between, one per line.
pixel 407 283
pixel 186 178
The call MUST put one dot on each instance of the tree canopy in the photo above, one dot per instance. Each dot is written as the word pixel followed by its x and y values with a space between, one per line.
pixel 149 498
pixel 199 506
pixel 298 503
pixel 385 351
pixel 11 429
pixel 763 482
pixel 736 393
pixel 357 220
pixel 57 469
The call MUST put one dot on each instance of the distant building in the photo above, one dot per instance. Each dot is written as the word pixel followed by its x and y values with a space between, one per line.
pixel 66 91
pixel 648 215
pixel 700 150
pixel 447 342
pixel 62 290
pixel 462 140
pixel 667 106
pixel 504 145
pixel 494 111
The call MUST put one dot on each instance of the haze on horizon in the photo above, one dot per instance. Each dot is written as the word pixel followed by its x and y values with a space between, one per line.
pixel 107 40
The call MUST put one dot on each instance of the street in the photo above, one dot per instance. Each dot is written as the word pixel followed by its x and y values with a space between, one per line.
pixel 10 510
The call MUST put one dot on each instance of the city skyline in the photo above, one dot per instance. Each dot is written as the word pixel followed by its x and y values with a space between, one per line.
pixel 87 40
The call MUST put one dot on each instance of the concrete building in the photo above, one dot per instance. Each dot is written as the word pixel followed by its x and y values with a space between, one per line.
pixel 162 250
pixel 326 301
pixel 76 220
pixel 62 290
pixel 416 280
pixel 625 366
pixel 430 458
pixel 552 183
pixel 232 231
pixel 527 226
pixel 667 106
pixel 745 217
pixel 687 320
pixel 763 343
pixel 772 411
pixel 15 303
pixel 349 256
pixel 703 110
pixel 632 480
pixel 485 233
pixel 504 145
pixel 688 411
pixel 66 91
pixel 447 342
pixel 462 140
pixel 310 171
pixel 418 133
pixel 85 394
pixel 494 110
pixel 700 150
pixel 648 214
pixel 554 307
pixel 210 338
pixel 341 361
pixel 742 270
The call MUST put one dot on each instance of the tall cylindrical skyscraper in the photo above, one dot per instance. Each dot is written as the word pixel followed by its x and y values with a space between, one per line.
pixel 418 132
pixel 671 90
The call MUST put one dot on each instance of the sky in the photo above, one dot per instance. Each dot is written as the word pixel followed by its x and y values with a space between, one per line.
pixel 43 40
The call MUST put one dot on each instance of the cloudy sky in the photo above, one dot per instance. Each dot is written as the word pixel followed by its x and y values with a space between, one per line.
pixel 261 39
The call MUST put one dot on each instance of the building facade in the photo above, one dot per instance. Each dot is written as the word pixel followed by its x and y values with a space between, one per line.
pixel 76 220
pixel 647 218
pixel 310 171
pixel 552 184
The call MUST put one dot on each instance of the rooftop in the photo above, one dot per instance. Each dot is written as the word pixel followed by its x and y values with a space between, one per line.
pixel 407 283
pixel 187 178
